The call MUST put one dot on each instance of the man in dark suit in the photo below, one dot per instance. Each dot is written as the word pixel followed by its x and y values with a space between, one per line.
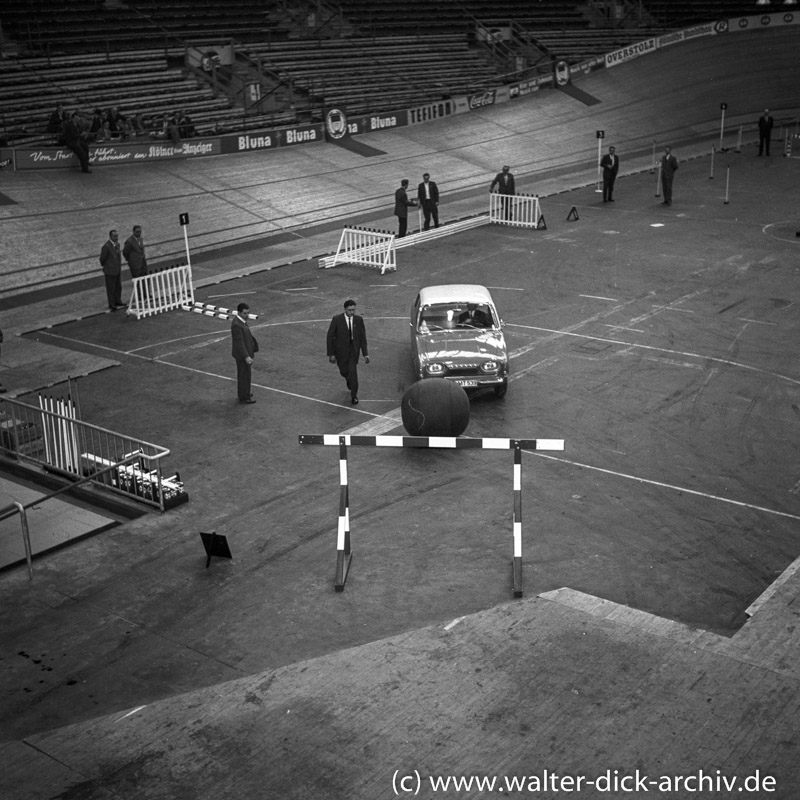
pixel 134 253
pixel 346 340
pixel 765 123
pixel 474 317
pixel 428 196
pixel 504 181
pixel 669 166
pixel 610 166
pixel 244 349
pixel 401 206
pixel 111 260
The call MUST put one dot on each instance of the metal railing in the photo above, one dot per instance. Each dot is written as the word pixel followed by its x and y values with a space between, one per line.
pixel 60 444
pixel 18 508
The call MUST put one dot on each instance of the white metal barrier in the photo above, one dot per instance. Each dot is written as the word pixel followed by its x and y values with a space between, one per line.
pixel 361 246
pixel 521 210
pixel 161 291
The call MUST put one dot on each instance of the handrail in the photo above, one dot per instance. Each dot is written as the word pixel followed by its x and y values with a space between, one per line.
pixel 17 507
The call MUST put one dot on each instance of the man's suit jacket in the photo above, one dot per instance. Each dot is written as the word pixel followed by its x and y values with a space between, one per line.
pixel 134 255
pixel 765 124
pixel 401 203
pixel 243 343
pixel 110 258
pixel 668 164
pixel 434 191
pixel 505 182
pixel 610 164
pixel 338 339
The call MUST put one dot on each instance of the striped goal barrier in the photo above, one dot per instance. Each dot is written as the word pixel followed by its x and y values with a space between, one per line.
pixel 209 310
pixel 161 291
pixel 519 210
pixel 344 554
pixel 363 246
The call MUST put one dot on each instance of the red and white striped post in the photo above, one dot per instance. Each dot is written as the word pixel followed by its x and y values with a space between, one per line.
pixel 343 553
pixel 517 521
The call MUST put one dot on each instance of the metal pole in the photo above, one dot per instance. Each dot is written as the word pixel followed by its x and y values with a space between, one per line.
pixel 26 537
pixel 658 182
pixel 653 162
pixel 517 522
pixel 727 185
pixel 721 128
pixel 711 176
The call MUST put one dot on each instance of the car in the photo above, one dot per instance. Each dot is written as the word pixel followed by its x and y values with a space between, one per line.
pixel 457 334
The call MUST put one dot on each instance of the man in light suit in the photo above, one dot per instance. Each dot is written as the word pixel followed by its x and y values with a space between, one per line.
pixel 346 340
pixel 428 196
pixel 401 206
pixel 610 166
pixel 244 349
pixel 111 261
pixel 134 253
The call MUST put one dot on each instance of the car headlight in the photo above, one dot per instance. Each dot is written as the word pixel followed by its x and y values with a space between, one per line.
pixel 490 366
pixel 435 369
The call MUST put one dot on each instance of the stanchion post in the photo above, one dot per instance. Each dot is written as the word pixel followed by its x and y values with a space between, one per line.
pixel 711 176
pixel 517 522
pixel 26 538
pixel 653 161
pixel 343 553
pixel 738 148
pixel 727 185
pixel 658 182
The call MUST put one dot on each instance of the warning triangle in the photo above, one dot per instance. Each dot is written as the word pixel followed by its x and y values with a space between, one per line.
pixel 573 214
pixel 541 225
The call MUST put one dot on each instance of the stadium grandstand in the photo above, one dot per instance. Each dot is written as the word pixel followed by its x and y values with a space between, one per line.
pixel 257 64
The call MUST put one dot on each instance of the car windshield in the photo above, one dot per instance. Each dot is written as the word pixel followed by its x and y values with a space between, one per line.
pixel 455 316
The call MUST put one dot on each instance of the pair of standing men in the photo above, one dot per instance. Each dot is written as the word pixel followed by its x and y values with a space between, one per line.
pixel 111 262
pixel 428 197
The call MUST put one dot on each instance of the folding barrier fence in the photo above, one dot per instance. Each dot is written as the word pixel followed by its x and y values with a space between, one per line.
pixel 344 553
pixel 521 210
pixel 361 246
pixel 161 291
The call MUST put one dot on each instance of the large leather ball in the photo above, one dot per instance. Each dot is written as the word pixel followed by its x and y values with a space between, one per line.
pixel 435 407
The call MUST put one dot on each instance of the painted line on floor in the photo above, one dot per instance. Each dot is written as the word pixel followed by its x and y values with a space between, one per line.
pixel 674 487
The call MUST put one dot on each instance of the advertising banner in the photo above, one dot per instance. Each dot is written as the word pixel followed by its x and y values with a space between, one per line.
pixel 630 52
pixel 269 140
pixel 431 111
pixel 115 153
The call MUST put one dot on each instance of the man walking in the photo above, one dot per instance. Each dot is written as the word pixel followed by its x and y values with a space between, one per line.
pixel 346 340
pixel 111 261
pixel 504 181
pixel 134 253
pixel 428 196
pixel 610 166
pixel 243 348
pixel 765 123
pixel 669 166
pixel 401 206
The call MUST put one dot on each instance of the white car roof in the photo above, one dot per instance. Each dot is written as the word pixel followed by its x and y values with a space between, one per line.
pixel 455 292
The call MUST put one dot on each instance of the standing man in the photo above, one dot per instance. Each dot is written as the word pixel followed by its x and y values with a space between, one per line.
pixel 505 185
pixel 134 253
pixel 428 196
pixel 765 123
pixel 111 261
pixel 669 166
pixel 401 206
pixel 346 340
pixel 244 349
pixel 610 166
pixel 74 136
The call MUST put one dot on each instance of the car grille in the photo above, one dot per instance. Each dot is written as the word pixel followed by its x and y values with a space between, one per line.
pixel 463 369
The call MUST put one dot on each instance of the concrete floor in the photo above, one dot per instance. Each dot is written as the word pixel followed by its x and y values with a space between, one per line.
pixel 658 629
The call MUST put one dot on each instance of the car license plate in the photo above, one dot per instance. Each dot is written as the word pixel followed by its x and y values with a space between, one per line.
pixel 467 383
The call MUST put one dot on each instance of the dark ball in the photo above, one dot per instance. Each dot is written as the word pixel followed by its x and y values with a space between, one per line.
pixel 435 407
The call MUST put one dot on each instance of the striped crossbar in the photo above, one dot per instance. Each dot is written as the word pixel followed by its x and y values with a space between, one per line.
pixel 209 310
pixel 453 442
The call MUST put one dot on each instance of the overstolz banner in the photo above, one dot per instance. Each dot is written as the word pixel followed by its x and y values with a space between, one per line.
pixel 121 153
pixel 630 52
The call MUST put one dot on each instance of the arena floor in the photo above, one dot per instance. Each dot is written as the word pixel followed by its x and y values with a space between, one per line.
pixel 658 629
